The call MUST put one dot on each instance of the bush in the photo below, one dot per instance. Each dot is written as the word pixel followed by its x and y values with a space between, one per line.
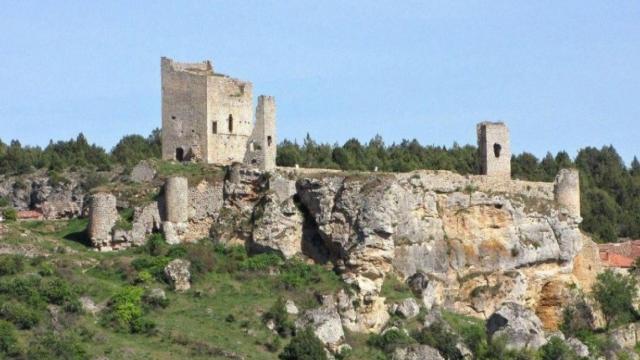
pixel 304 346
pixel 4 202
pixel 8 339
pixel 261 262
pixel 616 294
pixel 58 291
pixel 56 346
pixel 156 245
pixel 278 314
pixel 11 264
pixel 577 318
pixel 390 340
pixel 153 265
pixel 20 315
pixel 437 336
pixel 556 349
pixel 125 311
pixel 296 274
pixel 10 214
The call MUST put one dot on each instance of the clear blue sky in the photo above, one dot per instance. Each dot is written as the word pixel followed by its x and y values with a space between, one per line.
pixel 562 74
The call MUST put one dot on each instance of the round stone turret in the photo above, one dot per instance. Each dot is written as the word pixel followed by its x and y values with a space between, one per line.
pixel 176 196
pixel 102 217
pixel 567 190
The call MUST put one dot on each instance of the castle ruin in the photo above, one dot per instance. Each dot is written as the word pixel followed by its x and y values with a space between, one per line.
pixel 209 117
pixel 494 148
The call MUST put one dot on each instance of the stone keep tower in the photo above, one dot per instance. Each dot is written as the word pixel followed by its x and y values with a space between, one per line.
pixel 495 149
pixel 209 117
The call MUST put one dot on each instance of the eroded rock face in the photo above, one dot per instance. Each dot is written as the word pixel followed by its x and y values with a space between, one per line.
pixel 519 326
pixel 468 243
pixel 177 272
pixel 144 171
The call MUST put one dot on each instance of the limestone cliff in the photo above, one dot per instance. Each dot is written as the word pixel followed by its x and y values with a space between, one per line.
pixel 468 243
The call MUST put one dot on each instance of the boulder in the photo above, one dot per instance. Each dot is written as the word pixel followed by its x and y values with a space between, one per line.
pixel 325 323
pixel 579 347
pixel 408 308
pixel 519 326
pixel 625 337
pixel 144 171
pixel 417 352
pixel 291 308
pixel 178 275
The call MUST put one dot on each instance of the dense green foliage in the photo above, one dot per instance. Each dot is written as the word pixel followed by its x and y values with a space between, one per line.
pixel 616 293
pixel 76 153
pixel 304 346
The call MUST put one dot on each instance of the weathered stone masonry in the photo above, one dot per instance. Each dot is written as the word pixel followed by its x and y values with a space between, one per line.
pixel 209 117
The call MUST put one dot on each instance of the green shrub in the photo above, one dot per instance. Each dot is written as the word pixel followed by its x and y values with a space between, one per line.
pixel 438 337
pixel 615 293
pixel 20 315
pixel 556 349
pixel 52 346
pixel 11 264
pixel 8 339
pixel 57 291
pixel 26 289
pixel 125 311
pixel 390 340
pixel 577 318
pixel 177 252
pixel 144 277
pixel 304 346
pixel 156 245
pixel 261 262
pixel 278 314
pixel 152 264
pixel 4 202
pixel 46 269
pixel 10 214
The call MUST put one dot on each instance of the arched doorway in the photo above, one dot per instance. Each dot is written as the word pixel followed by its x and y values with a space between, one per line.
pixel 179 154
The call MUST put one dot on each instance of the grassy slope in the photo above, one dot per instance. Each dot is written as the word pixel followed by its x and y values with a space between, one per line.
pixel 222 311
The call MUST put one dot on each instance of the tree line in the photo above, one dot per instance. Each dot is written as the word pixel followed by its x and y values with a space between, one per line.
pixel 610 190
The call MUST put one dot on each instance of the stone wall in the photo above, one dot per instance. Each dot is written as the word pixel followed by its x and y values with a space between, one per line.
pixel 209 116
pixel 263 142
pixel 228 100
pixel 184 110
pixel 495 149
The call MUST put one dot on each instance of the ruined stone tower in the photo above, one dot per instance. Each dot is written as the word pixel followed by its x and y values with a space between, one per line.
pixel 495 149
pixel 208 116
pixel 567 190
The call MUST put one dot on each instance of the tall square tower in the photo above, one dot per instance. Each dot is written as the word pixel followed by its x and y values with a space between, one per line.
pixel 494 149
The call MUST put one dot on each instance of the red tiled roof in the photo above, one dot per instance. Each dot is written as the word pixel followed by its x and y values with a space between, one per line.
pixel 621 254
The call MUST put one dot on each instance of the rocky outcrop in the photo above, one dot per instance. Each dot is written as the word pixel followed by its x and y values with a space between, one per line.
pixel 518 326
pixel 144 171
pixel 54 198
pixel 417 352
pixel 178 275
pixel 326 324
pixel 468 243
pixel 408 308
